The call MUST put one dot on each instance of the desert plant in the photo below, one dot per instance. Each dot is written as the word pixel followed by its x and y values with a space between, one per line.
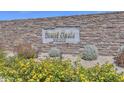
pixel 2 57
pixel 2 54
pixel 54 52
pixel 26 50
pixel 103 73
pixel 50 70
pixel 121 49
pixel 90 52
pixel 119 59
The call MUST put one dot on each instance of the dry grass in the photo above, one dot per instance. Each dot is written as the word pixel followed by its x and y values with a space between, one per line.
pixel 119 60
pixel 26 50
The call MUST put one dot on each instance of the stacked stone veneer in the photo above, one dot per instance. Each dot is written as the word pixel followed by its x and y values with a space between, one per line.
pixel 106 31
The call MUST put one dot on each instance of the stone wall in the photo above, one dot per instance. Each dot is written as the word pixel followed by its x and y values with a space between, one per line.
pixel 106 31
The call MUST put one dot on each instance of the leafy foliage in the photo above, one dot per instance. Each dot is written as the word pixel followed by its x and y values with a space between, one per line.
pixel 2 56
pixel 55 70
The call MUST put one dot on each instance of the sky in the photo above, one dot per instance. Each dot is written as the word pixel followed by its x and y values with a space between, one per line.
pixel 11 15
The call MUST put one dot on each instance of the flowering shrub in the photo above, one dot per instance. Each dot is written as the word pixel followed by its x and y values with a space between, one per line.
pixel 55 70
pixel 29 70
pixel 2 56
pixel 18 69
pixel 104 73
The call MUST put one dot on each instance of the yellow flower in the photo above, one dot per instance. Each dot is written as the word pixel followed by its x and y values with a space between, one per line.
pixel 122 78
pixel 35 76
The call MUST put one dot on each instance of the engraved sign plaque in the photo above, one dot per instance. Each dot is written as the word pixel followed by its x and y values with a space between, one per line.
pixel 61 35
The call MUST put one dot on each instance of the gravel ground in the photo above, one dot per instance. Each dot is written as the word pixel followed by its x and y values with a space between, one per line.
pixel 100 60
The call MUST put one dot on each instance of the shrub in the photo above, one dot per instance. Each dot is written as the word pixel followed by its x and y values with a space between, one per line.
pixel 2 58
pixel 51 70
pixel 121 49
pixel 90 52
pixel 48 70
pixel 26 50
pixel 2 62
pixel 2 55
pixel 55 52
pixel 119 59
pixel 104 73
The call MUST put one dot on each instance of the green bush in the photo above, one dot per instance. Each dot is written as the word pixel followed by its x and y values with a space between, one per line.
pixel 104 73
pixel 2 57
pixel 90 52
pixel 28 70
pixel 52 70
pixel 2 63
pixel 55 52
